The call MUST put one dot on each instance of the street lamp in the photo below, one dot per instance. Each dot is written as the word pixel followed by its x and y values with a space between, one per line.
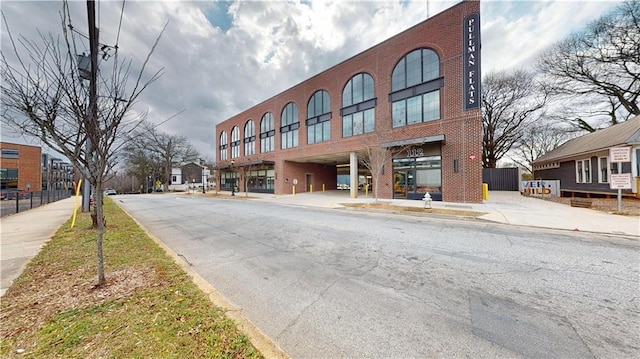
pixel 233 180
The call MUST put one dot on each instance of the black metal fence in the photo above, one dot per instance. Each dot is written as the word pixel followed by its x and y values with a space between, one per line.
pixel 501 179
pixel 16 202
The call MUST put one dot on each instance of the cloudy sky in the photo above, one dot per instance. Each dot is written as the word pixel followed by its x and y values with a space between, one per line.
pixel 222 57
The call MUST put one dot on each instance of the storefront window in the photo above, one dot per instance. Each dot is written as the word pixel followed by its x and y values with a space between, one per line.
pixel 413 177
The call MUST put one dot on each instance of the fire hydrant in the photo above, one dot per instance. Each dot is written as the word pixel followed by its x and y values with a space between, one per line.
pixel 427 200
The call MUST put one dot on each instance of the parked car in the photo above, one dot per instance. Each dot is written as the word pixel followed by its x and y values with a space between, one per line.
pixel 110 192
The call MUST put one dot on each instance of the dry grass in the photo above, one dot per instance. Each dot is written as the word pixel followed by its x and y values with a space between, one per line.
pixel 149 307
pixel 630 206
pixel 390 207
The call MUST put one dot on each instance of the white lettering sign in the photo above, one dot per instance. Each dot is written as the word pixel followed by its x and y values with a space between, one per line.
pixel 620 181
pixel 620 154
pixel 471 71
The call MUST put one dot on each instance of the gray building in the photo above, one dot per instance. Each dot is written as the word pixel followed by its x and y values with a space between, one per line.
pixel 584 165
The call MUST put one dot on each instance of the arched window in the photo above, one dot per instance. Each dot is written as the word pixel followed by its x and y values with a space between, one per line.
pixel 415 86
pixel 235 142
pixel 249 138
pixel 358 106
pixel 223 146
pixel 290 125
pixel 267 133
pixel 318 118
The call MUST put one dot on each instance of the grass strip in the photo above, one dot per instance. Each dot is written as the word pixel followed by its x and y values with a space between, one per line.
pixel 149 308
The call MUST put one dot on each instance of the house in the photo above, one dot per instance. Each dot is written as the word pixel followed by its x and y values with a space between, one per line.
pixel 416 95
pixel 190 176
pixel 584 165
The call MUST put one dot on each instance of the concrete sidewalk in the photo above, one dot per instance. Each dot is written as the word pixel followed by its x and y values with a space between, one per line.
pixel 23 234
pixel 501 207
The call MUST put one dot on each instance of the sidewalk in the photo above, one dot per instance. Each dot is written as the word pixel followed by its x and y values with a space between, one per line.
pixel 501 207
pixel 23 234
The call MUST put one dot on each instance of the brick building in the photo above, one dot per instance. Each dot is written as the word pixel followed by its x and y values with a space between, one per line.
pixel 21 167
pixel 416 95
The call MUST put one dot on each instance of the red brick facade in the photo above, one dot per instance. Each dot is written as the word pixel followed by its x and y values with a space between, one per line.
pixel 310 163
pixel 28 164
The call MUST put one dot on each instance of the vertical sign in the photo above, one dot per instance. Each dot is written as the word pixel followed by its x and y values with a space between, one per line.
pixel 620 180
pixel 471 57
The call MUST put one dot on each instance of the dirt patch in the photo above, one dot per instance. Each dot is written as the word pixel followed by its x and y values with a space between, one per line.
pixel 390 207
pixel 630 206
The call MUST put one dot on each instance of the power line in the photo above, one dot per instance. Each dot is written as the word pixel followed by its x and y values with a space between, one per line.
pixel 119 26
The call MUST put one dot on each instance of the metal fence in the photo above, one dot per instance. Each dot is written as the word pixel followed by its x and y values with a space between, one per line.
pixel 502 179
pixel 24 201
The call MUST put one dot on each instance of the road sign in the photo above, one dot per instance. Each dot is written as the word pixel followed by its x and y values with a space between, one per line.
pixel 620 181
pixel 620 154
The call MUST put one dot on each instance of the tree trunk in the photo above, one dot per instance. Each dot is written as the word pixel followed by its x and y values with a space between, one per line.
pixel 99 214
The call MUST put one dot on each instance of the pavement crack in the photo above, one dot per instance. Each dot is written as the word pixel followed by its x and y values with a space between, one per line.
pixel 185 259
pixel 306 308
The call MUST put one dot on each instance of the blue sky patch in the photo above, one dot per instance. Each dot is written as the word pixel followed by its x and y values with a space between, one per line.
pixel 217 12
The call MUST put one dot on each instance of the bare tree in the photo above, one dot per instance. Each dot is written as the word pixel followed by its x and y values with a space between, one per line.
pixel 153 152
pixel 374 157
pixel 599 64
pixel 509 102
pixel 43 96
pixel 537 139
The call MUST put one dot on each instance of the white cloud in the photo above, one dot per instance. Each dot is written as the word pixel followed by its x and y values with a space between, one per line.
pixel 214 74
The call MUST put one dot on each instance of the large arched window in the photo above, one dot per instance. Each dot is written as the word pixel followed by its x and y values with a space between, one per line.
pixel 223 146
pixel 267 133
pixel 249 138
pixel 415 86
pixel 318 118
pixel 290 125
pixel 358 106
pixel 235 142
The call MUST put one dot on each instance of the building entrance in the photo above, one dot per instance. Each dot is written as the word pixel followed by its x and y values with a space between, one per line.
pixel 413 177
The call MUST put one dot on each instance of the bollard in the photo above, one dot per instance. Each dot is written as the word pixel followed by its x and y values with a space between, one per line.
pixel 294 190
pixel 485 191
pixel 323 187
pixel 310 188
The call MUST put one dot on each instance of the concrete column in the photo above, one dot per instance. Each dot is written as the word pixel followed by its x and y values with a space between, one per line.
pixel 353 174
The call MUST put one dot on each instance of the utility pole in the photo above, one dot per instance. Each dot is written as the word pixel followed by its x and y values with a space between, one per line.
pixel 93 108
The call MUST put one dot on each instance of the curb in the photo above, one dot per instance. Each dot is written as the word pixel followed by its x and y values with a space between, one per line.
pixel 267 347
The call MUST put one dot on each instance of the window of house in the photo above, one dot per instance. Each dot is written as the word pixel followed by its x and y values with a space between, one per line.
pixel 583 171
pixel 415 85
pixel 10 153
pixel 603 170
pixel 249 138
pixel 358 106
pixel 223 146
pixel 235 142
pixel 290 125
pixel 318 118
pixel 267 133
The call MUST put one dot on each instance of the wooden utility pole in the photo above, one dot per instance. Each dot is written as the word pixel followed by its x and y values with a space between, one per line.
pixel 92 114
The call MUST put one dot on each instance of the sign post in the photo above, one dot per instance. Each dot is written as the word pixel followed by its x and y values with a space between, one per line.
pixel 620 180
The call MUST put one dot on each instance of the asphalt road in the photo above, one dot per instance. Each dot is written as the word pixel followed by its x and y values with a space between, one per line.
pixel 342 283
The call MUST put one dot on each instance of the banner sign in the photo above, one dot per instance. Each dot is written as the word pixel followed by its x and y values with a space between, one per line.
pixel 550 188
pixel 471 57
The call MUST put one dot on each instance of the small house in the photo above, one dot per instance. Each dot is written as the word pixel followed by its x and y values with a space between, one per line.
pixel 585 167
